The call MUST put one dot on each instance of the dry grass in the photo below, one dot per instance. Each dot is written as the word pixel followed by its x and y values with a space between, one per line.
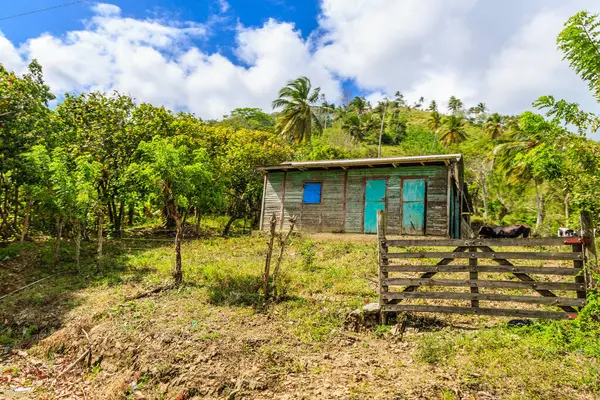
pixel 213 338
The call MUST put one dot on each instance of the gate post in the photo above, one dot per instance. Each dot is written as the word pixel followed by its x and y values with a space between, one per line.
pixel 589 240
pixel 382 262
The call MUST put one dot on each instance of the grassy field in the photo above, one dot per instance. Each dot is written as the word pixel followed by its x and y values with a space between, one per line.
pixel 214 338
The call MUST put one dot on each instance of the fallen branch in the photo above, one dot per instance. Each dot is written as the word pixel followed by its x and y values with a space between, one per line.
pixel 149 293
pixel 80 358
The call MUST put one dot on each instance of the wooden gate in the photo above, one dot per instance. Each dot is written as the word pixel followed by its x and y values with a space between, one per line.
pixel 407 277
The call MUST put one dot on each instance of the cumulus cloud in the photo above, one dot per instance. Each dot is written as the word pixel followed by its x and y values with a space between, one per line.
pixel 501 53
pixel 157 61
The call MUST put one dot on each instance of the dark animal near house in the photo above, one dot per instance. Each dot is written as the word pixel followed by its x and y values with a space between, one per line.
pixel 512 231
pixel 566 232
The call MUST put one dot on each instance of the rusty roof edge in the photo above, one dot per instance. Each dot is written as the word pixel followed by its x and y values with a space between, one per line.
pixel 362 161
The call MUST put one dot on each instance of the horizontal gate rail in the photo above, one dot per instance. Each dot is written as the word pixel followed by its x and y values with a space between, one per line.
pixel 492 255
pixel 553 301
pixel 484 284
pixel 520 242
pixel 499 312
pixel 398 289
pixel 565 271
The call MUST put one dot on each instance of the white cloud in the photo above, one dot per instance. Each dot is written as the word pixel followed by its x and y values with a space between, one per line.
pixel 106 9
pixel 530 65
pixel 223 6
pixel 156 61
pixel 501 53
pixel 382 43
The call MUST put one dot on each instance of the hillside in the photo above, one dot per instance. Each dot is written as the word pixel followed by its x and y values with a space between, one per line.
pixel 213 338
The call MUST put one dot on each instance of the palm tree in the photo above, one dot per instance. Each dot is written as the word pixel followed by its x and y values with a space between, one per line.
pixel 481 108
pixel 510 159
pixel 435 121
pixel 432 106
pixel 455 105
pixel 453 130
pixel 360 105
pixel 351 124
pixel 494 127
pixel 327 110
pixel 399 99
pixel 298 114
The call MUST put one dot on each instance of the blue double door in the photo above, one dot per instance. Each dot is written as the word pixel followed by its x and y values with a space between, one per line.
pixel 412 203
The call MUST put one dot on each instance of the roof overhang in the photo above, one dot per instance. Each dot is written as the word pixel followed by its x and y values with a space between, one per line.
pixel 437 159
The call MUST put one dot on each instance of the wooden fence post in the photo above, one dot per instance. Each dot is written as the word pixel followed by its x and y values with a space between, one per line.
pixel 382 261
pixel 473 275
pixel 589 239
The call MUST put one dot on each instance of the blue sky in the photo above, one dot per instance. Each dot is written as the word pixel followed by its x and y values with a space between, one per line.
pixel 209 57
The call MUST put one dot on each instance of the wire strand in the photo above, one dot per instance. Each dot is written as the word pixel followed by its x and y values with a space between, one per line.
pixel 43 9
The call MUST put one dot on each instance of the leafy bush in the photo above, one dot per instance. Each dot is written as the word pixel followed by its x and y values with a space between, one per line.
pixel 308 254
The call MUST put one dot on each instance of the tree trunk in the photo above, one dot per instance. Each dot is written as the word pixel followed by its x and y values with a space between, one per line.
pixel 100 240
pixel 25 228
pixel 381 133
pixel 130 213
pixel 177 273
pixel 540 207
pixel 59 226
pixel 111 215
pixel 229 223
pixel 121 218
pixel 282 243
pixel 77 237
pixel 16 211
pixel 170 223
pixel 567 199
pixel 484 194
pixel 273 224
pixel 198 219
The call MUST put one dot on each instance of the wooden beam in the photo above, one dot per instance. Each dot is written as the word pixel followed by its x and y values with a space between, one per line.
pixel 430 274
pixel 518 242
pixel 479 311
pixel 483 283
pixel 552 301
pixel 492 255
pixel 563 271
pixel 527 278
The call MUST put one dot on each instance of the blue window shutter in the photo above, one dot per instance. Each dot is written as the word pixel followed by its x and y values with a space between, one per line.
pixel 312 193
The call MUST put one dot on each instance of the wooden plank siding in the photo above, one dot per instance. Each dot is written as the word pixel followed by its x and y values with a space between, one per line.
pixel 343 198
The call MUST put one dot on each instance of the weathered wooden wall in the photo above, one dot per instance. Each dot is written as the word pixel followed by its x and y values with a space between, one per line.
pixel 329 215
pixel 324 217
pixel 436 210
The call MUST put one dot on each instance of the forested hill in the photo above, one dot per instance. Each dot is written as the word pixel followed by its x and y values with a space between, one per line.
pixel 96 156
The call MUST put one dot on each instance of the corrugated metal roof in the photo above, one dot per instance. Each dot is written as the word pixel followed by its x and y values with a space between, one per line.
pixel 366 162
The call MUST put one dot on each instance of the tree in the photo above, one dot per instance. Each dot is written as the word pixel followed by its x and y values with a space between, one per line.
pixel 381 109
pixel 174 176
pixel 580 43
pixel 435 121
pixel 351 124
pixel 25 119
pixel 359 105
pixel 109 128
pixel 453 130
pixel 530 154
pixel 249 118
pixel 246 150
pixel 455 105
pixel 299 111
pixel 432 106
pixel 494 126
pixel 481 108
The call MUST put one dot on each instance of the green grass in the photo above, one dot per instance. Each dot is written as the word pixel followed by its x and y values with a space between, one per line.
pixel 322 279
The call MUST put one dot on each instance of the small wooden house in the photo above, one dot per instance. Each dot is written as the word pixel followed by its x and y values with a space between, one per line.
pixel 421 195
